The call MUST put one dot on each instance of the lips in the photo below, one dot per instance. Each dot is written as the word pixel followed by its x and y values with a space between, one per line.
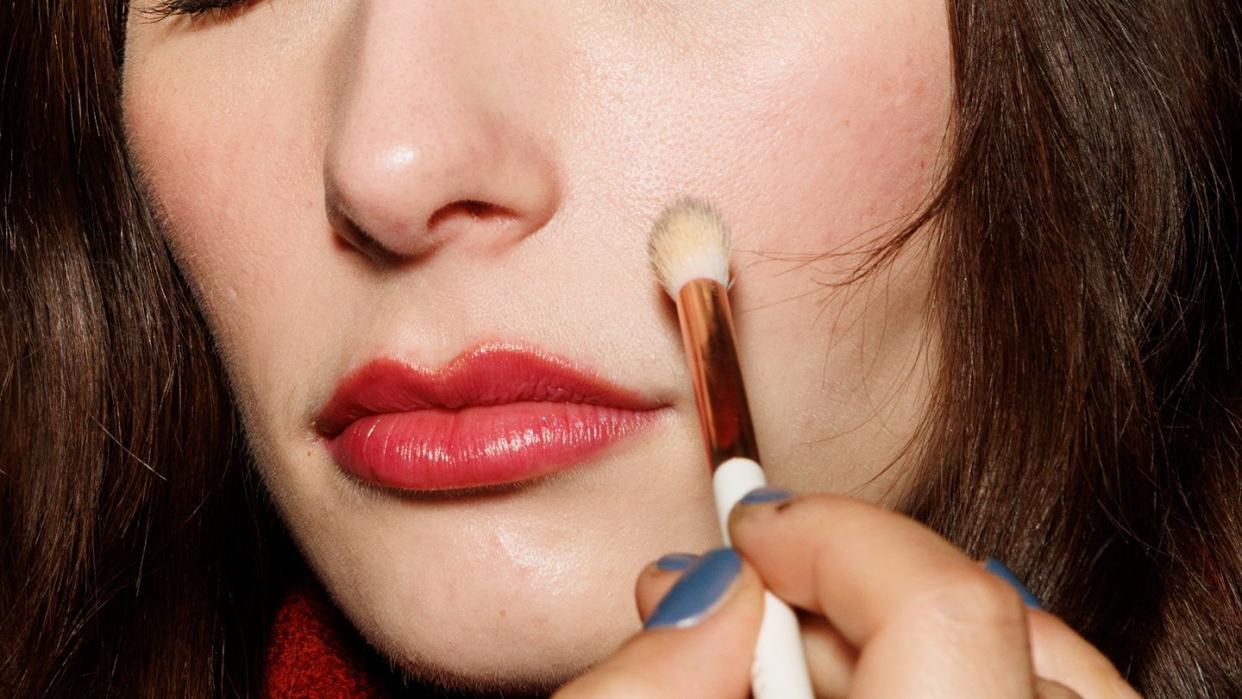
pixel 491 416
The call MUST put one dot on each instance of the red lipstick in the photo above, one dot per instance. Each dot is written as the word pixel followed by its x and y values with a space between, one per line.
pixel 490 416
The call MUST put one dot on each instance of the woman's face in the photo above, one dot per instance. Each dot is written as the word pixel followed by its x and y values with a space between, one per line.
pixel 459 187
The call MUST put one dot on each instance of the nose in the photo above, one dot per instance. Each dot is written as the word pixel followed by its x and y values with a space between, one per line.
pixel 423 152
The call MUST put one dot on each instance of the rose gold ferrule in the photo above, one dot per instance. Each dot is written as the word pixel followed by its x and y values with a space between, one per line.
pixel 711 349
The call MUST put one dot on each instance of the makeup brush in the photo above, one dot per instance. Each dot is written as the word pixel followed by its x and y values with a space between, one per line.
pixel 689 250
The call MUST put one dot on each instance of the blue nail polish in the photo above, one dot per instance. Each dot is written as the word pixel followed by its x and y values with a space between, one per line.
pixel 998 569
pixel 762 495
pixel 700 587
pixel 676 561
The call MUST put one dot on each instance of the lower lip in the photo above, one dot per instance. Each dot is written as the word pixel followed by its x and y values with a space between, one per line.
pixel 478 446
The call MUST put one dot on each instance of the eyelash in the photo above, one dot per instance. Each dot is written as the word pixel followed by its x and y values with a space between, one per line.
pixel 193 8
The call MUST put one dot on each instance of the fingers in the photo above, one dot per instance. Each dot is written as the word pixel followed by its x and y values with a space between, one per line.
pixel 950 650
pixel 928 620
pixel 698 640
pixel 1047 689
pixel 655 580
pixel 1062 655
pixel 830 659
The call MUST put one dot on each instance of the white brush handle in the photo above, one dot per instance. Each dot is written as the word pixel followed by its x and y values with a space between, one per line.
pixel 779 670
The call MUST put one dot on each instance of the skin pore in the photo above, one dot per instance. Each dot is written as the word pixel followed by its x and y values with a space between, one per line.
pixel 272 137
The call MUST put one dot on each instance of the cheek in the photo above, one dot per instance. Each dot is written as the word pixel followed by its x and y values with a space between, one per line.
pixel 842 148
pixel 842 158
pixel 856 162
pixel 233 184
pixel 811 131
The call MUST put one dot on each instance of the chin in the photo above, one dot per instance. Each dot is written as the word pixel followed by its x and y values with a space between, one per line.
pixel 509 591
pixel 475 613
pixel 521 654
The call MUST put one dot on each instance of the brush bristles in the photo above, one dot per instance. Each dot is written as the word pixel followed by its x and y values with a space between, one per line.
pixel 689 241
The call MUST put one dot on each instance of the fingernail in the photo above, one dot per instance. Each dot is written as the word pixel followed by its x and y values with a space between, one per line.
pixel 762 495
pixel 998 569
pixel 695 595
pixel 676 561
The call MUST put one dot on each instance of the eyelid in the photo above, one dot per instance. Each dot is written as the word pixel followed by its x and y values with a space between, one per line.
pixel 193 8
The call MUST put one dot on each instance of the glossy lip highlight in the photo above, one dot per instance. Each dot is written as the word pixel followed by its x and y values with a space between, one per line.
pixel 493 415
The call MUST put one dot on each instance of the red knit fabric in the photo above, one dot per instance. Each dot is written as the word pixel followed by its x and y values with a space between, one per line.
pixel 314 653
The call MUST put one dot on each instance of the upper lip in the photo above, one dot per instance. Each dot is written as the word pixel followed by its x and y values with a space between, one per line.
pixel 483 376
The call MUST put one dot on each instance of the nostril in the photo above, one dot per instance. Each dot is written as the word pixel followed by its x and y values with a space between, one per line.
pixel 351 236
pixel 471 209
pixel 475 207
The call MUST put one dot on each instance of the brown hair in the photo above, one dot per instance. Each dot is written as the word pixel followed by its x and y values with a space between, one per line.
pixel 1087 427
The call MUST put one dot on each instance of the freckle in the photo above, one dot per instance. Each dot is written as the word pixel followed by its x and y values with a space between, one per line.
pixel 783 506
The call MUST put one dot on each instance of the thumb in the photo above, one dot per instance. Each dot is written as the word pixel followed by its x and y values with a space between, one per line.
pixel 698 642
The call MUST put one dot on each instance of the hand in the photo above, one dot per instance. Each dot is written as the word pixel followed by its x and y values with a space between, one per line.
pixel 888 609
